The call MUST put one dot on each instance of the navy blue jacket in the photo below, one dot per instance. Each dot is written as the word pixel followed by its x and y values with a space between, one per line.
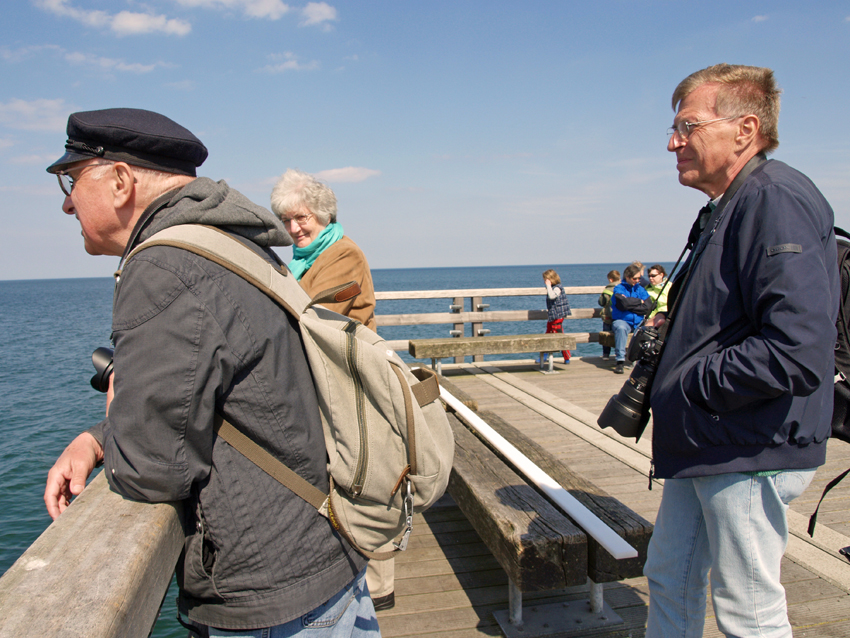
pixel 745 380
pixel 629 303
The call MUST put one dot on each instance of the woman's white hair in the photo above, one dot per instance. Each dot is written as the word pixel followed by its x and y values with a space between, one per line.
pixel 296 190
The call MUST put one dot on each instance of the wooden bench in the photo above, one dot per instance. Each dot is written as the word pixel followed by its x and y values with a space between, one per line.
pixel 538 552
pixel 606 338
pixel 437 349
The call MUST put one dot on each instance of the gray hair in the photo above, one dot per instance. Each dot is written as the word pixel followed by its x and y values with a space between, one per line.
pixel 296 190
pixel 743 90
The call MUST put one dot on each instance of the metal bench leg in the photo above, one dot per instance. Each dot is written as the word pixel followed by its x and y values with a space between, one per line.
pixel 437 366
pixel 514 604
pixel 596 601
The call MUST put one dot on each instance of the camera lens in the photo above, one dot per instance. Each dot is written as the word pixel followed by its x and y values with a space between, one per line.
pixel 628 411
pixel 102 361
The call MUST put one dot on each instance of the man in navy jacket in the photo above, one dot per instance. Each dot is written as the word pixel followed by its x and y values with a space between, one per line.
pixel 742 398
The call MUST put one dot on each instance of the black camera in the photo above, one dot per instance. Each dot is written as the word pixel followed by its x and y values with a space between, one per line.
pixel 628 411
pixel 102 361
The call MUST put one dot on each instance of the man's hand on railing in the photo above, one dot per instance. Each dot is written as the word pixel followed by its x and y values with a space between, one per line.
pixel 67 478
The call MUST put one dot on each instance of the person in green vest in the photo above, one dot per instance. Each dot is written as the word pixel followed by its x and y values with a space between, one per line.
pixel 605 302
pixel 657 289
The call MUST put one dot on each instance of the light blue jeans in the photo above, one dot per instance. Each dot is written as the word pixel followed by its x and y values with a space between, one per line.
pixel 350 613
pixel 621 337
pixel 735 525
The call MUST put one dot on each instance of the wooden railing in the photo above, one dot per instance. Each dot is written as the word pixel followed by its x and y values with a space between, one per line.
pixel 99 571
pixel 467 306
pixel 102 568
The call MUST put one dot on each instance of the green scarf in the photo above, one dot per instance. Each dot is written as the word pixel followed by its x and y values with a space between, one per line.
pixel 303 258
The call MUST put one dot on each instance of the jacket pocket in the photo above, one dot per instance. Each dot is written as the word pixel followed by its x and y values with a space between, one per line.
pixel 200 555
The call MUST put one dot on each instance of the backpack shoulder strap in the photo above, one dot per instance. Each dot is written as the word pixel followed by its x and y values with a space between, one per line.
pixel 228 252
pixel 269 464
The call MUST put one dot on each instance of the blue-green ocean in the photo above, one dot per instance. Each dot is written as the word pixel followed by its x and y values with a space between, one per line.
pixel 49 328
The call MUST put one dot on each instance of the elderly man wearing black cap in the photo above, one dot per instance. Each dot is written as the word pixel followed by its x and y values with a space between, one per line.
pixel 191 340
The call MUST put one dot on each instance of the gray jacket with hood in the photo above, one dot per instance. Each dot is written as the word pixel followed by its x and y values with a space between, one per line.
pixel 191 338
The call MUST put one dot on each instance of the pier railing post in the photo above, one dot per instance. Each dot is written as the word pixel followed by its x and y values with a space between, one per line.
pixel 457 306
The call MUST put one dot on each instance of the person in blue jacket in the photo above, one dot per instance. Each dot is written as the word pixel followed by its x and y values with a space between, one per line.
pixel 631 304
pixel 742 398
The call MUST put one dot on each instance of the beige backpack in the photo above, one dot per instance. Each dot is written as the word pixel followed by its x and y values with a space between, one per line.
pixel 390 446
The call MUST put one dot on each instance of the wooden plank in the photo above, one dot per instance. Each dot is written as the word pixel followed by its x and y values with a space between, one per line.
pixel 491 316
pixel 602 567
pixel 438 348
pixel 535 544
pixel 482 292
pixel 100 570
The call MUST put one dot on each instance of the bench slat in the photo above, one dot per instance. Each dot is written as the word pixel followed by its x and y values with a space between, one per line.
pixel 537 546
pixel 461 346
pixel 636 530
pixel 492 316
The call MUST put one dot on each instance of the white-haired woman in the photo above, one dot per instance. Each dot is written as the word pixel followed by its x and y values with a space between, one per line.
pixel 323 256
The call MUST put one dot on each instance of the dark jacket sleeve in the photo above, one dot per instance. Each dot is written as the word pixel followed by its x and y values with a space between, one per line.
pixel 159 435
pixel 637 305
pixel 785 251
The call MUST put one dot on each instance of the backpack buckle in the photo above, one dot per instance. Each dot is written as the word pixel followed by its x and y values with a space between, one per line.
pixel 408 518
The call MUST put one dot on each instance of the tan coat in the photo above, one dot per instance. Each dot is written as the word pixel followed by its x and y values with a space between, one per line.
pixel 341 262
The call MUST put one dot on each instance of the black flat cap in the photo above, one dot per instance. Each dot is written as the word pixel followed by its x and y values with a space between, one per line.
pixel 138 137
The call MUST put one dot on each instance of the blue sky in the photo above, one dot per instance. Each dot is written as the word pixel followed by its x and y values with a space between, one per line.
pixel 453 133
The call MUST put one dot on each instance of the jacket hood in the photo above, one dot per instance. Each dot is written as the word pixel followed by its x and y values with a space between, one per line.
pixel 203 201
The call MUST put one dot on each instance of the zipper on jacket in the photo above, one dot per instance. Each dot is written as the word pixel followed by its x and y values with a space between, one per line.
pixel 360 401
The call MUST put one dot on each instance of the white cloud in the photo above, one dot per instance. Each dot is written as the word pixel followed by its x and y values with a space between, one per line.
pixel 63 9
pixel 23 53
pixel 318 13
pixel 36 115
pixel 127 23
pixel 123 23
pixel 270 9
pixel 110 64
pixel 6 143
pixel 347 174
pixel 288 62
pixel 759 18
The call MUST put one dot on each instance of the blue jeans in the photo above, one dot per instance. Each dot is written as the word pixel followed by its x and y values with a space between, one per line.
pixel 621 336
pixel 734 525
pixel 348 613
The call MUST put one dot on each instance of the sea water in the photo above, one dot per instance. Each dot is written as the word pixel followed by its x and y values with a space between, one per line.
pixel 49 328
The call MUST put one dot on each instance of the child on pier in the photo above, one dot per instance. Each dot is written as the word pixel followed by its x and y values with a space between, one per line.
pixel 605 300
pixel 557 305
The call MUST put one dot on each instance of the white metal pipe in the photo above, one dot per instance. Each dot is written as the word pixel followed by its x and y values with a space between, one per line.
pixel 585 519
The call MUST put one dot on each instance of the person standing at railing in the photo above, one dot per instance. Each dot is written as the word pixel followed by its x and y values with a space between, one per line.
pixel 195 343
pixel 323 256
pixel 557 305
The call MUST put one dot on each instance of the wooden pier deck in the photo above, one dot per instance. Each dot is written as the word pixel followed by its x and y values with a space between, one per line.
pixel 448 584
